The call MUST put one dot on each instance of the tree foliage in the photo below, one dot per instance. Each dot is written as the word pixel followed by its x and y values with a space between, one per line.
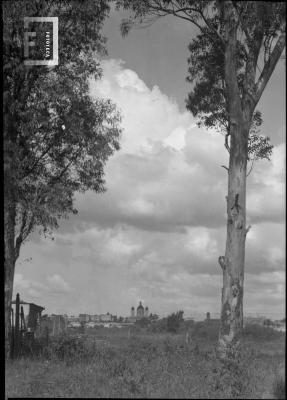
pixel 57 138
pixel 260 24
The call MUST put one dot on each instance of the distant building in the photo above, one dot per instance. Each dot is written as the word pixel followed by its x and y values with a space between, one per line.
pixel 95 318
pixel 106 317
pixel 91 324
pixel 140 311
pixel 54 324
pixel 74 324
pixel 146 312
pixel 83 318
pixel 280 326
pixel 72 318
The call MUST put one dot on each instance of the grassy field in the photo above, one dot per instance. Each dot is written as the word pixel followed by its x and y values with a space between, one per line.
pixel 142 364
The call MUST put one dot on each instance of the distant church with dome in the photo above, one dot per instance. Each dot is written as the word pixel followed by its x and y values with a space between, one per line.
pixel 141 313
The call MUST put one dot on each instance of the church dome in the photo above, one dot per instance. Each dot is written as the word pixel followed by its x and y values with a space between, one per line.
pixel 140 307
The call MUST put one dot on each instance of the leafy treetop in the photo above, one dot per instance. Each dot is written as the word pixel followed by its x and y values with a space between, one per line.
pixel 57 138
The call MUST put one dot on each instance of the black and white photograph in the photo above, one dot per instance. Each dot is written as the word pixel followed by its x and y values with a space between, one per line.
pixel 144 175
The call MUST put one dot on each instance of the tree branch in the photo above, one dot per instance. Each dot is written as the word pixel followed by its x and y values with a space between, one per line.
pixel 226 142
pixel 30 170
pixel 211 28
pixel 253 159
pixel 19 239
pixel 222 263
pixel 270 65
pixel 244 29
pixel 25 230
pixel 159 8
pixel 247 229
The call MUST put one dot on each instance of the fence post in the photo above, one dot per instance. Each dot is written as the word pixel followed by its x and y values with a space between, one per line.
pixel 17 325
pixel 12 337
pixel 23 324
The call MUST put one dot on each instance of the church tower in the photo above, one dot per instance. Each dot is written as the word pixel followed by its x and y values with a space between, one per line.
pixel 140 311
pixel 146 312
pixel 132 312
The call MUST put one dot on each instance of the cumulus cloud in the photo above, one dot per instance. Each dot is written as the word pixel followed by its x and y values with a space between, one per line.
pixel 58 284
pixel 168 173
pixel 29 287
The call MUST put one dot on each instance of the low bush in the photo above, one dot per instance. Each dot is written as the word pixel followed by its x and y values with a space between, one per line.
pixel 158 326
pixel 206 329
pixel 258 332
pixel 174 321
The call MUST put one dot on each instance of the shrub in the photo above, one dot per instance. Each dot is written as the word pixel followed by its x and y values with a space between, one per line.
pixel 67 349
pixel 174 321
pixel 158 326
pixel 206 329
pixel 143 322
pixel 256 331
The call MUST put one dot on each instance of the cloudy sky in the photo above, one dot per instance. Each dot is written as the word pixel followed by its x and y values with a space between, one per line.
pixel 157 232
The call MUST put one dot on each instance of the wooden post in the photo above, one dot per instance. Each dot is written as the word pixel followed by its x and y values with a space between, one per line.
pixel 12 338
pixel 129 333
pixel 187 337
pixel 47 334
pixel 17 325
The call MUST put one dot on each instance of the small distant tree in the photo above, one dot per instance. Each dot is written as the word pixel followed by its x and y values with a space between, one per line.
pixel 143 322
pixel 153 317
pixel 174 321
pixel 267 322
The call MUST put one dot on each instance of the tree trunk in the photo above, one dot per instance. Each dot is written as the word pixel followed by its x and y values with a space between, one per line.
pixel 232 263
pixel 9 265
pixel 9 225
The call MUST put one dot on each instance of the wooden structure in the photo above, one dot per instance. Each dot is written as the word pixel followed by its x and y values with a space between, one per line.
pixel 20 330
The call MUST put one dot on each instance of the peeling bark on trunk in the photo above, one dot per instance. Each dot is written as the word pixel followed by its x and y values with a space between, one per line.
pixel 232 263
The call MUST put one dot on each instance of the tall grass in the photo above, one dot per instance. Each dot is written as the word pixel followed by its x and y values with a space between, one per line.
pixel 111 363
